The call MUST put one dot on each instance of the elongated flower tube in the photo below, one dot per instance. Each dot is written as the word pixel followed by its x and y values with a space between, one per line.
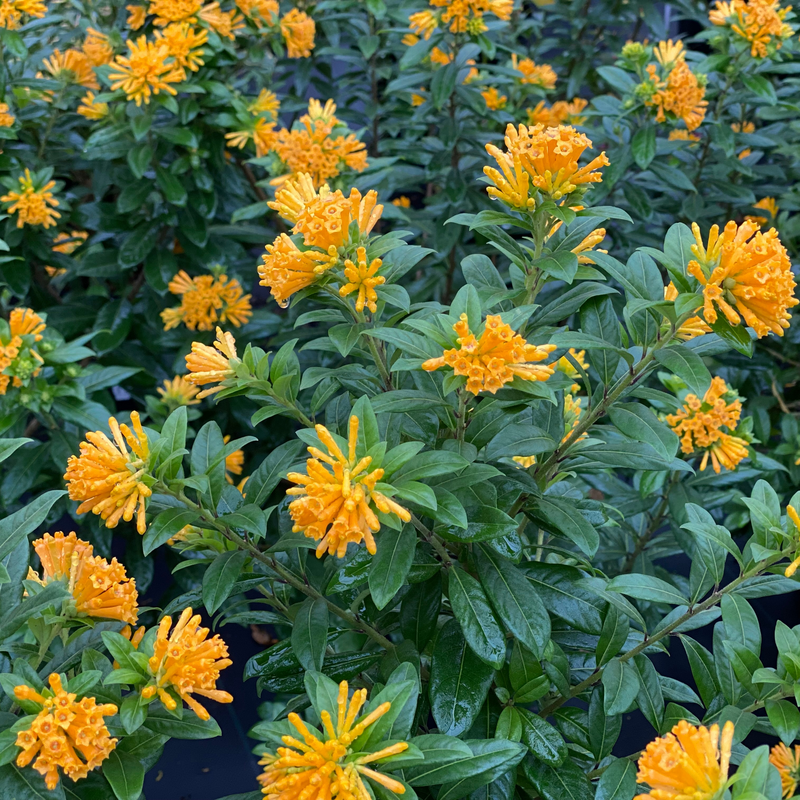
pixel 689 763
pixel 787 761
pixel 336 494
pixel 315 768
pixel 211 364
pixel 108 479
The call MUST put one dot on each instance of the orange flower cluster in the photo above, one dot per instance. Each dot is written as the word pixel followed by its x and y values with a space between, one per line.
pixel 689 762
pixel 69 242
pixel 792 514
pixel 323 218
pixel 694 326
pixel 317 148
pixel 493 99
pixel 178 392
pixel 543 158
pixel 534 74
pixel 166 11
pixel 769 205
pixel 11 12
pixel 759 22
pixel 107 479
pixel 677 91
pixel 99 589
pixel 333 504
pixel 32 205
pixel 67 733
pixel 260 11
pixel 699 425
pixel 91 109
pixel 465 16
pixel 298 31
pixel 787 761
pixel 566 366
pixel 206 300
pixel 495 359
pixel 187 662
pixel 6 118
pixel 184 44
pixel 317 769
pixel 746 273
pixel 226 24
pixel 211 364
pixel 72 67
pixel 19 360
pixel 145 71
pixel 363 279
pixel 97 47
pixel 561 112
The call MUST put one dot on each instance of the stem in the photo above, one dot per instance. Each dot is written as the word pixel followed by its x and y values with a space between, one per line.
pixel 434 541
pixel 380 363
pixel 461 415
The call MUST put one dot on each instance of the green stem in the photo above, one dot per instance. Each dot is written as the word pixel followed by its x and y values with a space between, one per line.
pixel 380 363
pixel 461 414
pixel 434 541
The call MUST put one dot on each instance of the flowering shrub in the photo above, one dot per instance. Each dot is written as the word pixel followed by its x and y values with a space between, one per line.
pixel 452 341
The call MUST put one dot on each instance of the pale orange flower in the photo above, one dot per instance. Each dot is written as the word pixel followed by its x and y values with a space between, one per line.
pixel 787 761
pixel 298 30
pixel 31 205
pixel 211 364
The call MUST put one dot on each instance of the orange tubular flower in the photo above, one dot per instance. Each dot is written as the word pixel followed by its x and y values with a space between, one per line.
pixel 178 392
pixel 24 321
pixel 67 733
pixel 549 156
pixel 760 22
pixel 262 133
pixel 682 95
pixel 260 11
pixel 32 206
pixel 298 31
pixel 295 194
pixel 363 279
pixel 69 242
pixel 699 425
pixel 211 364
pixel 792 514
pixel 787 761
pixel 188 662
pixel 423 24
pixel 107 479
pixel 746 273
pixel 206 300
pixel 97 48
pixel 224 23
pixel 184 44
pixel 566 366
pixel 167 11
pixel 266 103
pixel 73 66
pixel 6 119
pixel 495 358
pixel 333 503
pixel 144 71
pixel 534 74
pixel 91 109
pixel 317 769
pixel 286 269
pixel 688 763
pixel 99 589
pixel 694 326
pixel 769 205
pixel 136 17
pixel 494 100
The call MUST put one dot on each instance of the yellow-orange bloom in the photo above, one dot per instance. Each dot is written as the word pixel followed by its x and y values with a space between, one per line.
pixel 787 761
pixel 681 94
pixel 266 103
pixel 99 589
pixel 69 242
pixel 184 44
pixel 262 133
pixel 67 733
pixel 792 514
pixel 25 321
pixel 298 31
pixel 694 326
pixel 187 662
pixel 211 364
pixel 224 23
pixel 97 47
pixel 178 392
pixel 769 205
pixel 295 194
pixel 144 71
pixel 260 11
pixel 466 16
pixel 669 53
pixel 495 358
pixel 167 11
pixel 534 74
pixel 31 205
pixel 525 462
pixel 325 220
pixel 107 479
pixel 559 113
pixel 549 157
pixel 73 66
pixel 333 504
pixel 760 22
pixel 493 99
pixel 689 763
pixel 746 273
pixel 91 109
pixel 402 201
pixel 699 425
pixel 423 24
pixel 682 135
pixel 314 769
pixel 136 17
pixel 566 366
pixel 6 119
pixel 234 463
pixel 286 269
pixel 363 279
pixel 206 300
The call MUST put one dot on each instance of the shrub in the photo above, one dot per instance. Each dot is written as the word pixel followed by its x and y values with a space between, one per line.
pixel 453 342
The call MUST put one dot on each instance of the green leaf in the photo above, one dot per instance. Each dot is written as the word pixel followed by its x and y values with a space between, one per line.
pixel 599 319
pixel 561 517
pixel 220 577
pixel 472 610
pixel 741 622
pixel 643 146
pixel 14 528
pixel 514 599
pixel 621 685
pixel 26 784
pixel 459 682
pixel 491 759
pixel 189 727
pixel 640 423
pixel 785 718
pixel 125 774
pixel 170 185
pixel 688 366
pixel 271 471
pixel 542 739
pixel 165 526
pixel 310 633
pixel 618 781
pixel 204 461
pixel 429 464
pixel 650 698
pixel 568 781
pixel 390 565
pixel 647 587
pixel 172 439
pixel 10 446
pixel 519 440
pixel 613 636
